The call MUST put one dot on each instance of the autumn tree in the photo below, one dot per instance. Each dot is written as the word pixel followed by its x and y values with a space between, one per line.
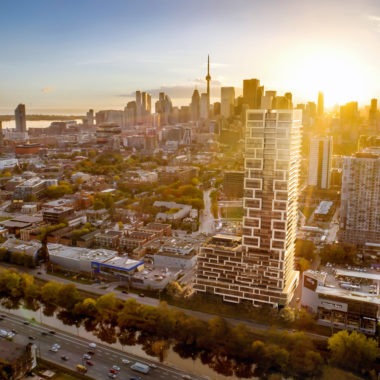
pixel 352 351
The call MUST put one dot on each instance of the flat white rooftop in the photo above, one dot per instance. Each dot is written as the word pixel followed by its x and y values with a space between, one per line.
pixel 350 295
pixel 351 273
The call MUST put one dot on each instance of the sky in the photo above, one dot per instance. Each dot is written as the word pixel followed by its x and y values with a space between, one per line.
pixel 67 56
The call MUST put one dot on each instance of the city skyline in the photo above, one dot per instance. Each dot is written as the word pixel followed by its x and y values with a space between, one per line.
pixel 74 56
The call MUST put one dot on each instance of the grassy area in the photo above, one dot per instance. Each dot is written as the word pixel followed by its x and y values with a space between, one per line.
pixel 308 211
pixel 338 374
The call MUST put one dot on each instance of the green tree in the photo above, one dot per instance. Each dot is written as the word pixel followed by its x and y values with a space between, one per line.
pixel 305 249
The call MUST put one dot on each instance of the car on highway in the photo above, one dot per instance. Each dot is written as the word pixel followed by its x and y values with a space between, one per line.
pixel 125 361
pixel 152 366
pixel 186 377
pixel 92 345
pixel 52 332
pixel 112 375
pixel 55 347
pixel 26 323
pixel 116 367
pixel 3 333
pixel 91 352
pixel 142 295
pixel 65 358
pixel 87 356
pixel 135 378
pixel 113 371
pixel 32 337
pixel 89 362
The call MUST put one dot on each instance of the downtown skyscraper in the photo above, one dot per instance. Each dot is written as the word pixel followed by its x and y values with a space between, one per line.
pixel 20 118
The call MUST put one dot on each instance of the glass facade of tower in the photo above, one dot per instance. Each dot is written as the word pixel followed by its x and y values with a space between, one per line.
pixel 272 164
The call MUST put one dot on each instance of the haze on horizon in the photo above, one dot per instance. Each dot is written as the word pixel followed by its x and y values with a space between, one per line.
pixel 67 56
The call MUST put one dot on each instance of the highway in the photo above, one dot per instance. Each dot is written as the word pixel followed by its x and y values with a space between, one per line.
pixel 75 347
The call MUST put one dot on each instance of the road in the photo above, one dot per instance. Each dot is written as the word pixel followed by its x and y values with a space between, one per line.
pixel 206 220
pixel 75 347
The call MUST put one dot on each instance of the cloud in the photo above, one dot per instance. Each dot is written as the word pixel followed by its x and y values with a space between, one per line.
pixel 375 20
pixel 178 91
pixel 47 90
pixel 202 81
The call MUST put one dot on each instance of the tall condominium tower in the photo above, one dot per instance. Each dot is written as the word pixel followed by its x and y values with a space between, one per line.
pixel 257 267
pixel 20 118
pixel 360 199
pixel 272 165
pixel 321 149
pixel 227 101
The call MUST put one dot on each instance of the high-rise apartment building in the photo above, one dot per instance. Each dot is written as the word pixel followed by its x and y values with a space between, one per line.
pixel 272 165
pixel 227 102
pixel 20 118
pixel 360 199
pixel 320 161
pixel 259 266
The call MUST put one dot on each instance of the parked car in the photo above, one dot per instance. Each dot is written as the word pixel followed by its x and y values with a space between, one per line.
pixel 89 362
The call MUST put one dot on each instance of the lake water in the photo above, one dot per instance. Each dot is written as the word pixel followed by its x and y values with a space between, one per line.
pixel 172 359
pixel 31 124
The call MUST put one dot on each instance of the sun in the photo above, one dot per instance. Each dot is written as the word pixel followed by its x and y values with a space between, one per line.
pixel 339 75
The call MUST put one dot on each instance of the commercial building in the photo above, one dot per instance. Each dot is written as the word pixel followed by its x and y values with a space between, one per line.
pixel 29 189
pixel 343 299
pixel 56 215
pixel 320 161
pixel 360 199
pixel 97 261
